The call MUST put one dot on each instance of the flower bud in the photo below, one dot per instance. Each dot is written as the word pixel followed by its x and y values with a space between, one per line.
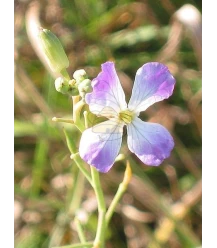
pixel 61 85
pixel 53 50
pixel 84 87
pixel 80 75
pixel 73 88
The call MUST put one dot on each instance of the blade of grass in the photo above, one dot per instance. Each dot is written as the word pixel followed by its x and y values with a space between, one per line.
pixel 40 160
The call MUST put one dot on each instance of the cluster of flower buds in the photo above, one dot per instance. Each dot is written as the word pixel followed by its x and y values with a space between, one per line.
pixel 82 82
pixel 58 62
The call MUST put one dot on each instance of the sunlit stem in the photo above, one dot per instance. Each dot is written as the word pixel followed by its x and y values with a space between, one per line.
pixel 77 107
pixel 73 198
pixel 70 142
pixel 88 244
pixel 121 189
pixel 101 227
pixel 75 99
pixel 86 119
pixel 75 156
pixel 79 162
pixel 80 231
pixel 77 110
pixel 62 120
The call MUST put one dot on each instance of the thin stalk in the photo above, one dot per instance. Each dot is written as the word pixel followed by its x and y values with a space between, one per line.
pixel 77 107
pixel 75 99
pixel 74 196
pixel 39 165
pixel 88 244
pixel 101 227
pixel 55 119
pixel 75 156
pixel 58 230
pixel 78 186
pixel 77 115
pixel 73 201
pixel 121 189
pixel 80 231
pixel 79 162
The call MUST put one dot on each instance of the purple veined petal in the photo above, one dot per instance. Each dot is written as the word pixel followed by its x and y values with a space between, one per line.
pixel 100 145
pixel 153 83
pixel 151 142
pixel 107 91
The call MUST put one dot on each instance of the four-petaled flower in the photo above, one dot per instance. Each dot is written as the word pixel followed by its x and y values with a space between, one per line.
pixel 151 142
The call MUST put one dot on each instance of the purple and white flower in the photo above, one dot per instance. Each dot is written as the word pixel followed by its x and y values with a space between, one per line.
pixel 151 142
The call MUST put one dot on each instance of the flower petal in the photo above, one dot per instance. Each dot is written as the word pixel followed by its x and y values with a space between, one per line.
pixel 100 145
pixel 107 92
pixel 151 142
pixel 153 83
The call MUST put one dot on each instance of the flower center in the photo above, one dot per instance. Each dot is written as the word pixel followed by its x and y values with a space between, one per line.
pixel 126 116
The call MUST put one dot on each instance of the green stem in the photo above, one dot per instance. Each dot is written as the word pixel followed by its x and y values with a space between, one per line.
pixel 73 197
pixel 77 107
pixel 101 227
pixel 80 231
pixel 77 110
pixel 73 201
pixel 75 156
pixel 79 162
pixel 70 142
pixel 77 192
pixel 121 189
pixel 58 230
pixel 88 244
pixel 62 120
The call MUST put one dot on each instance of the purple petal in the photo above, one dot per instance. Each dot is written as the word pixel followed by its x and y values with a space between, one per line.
pixel 151 142
pixel 107 91
pixel 153 83
pixel 100 145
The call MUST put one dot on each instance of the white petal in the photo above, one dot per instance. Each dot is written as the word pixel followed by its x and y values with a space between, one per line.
pixel 151 142
pixel 100 145
pixel 107 92
pixel 153 83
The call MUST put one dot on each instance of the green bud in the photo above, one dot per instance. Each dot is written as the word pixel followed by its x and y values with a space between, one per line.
pixel 61 85
pixel 66 86
pixel 80 75
pixel 84 87
pixel 73 88
pixel 53 50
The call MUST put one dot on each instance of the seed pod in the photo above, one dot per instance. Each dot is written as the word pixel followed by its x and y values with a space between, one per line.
pixel 53 50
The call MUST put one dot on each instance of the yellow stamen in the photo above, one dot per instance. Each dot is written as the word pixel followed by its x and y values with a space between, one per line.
pixel 126 116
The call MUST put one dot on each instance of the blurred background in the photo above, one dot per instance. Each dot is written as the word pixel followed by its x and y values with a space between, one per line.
pixel 162 206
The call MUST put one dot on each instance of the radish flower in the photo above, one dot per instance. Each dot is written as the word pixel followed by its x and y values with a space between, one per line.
pixel 151 142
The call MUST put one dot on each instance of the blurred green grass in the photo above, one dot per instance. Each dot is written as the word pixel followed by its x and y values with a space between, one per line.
pixel 165 202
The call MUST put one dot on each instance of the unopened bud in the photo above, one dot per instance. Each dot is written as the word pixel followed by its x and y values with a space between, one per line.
pixel 53 50
pixel 84 87
pixel 80 75
pixel 73 88
pixel 61 85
